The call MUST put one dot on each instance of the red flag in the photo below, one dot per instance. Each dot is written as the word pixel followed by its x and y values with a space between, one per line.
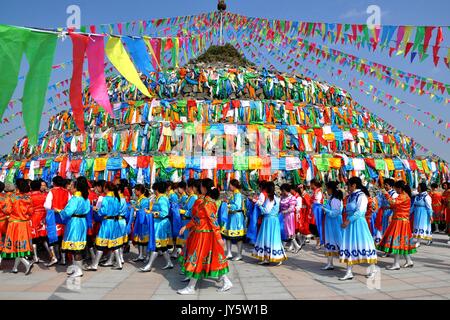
pixel 435 55
pixel 428 32
pixel 408 48
pixel 338 32
pixel 80 43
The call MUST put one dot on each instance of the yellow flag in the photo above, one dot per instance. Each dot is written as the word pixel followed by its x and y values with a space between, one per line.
pixel 116 53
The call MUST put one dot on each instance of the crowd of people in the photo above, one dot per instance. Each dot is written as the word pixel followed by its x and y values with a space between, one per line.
pixel 77 221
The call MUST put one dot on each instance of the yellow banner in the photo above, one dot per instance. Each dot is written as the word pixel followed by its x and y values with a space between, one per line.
pixel 116 53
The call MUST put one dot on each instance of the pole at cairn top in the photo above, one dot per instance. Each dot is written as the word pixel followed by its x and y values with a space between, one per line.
pixel 221 6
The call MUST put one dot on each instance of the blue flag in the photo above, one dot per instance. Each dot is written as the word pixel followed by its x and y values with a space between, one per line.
pixel 138 52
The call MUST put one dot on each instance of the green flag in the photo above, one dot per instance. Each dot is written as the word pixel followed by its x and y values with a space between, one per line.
pixel 12 41
pixel 39 49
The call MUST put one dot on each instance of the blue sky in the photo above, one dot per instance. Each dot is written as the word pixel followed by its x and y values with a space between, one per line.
pixel 51 14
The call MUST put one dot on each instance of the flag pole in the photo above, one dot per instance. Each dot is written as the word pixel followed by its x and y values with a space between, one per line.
pixel 221 6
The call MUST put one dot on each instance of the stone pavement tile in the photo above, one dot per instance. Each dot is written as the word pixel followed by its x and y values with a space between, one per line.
pixel 175 296
pixel 128 290
pixel 409 294
pixel 440 290
pixel 223 296
pixel 428 298
pixel 256 290
pixel 74 296
pixel 93 290
pixel 270 296
pixel 14 287
pixel 417 279
pixel 267 284
pixel 43 287
pixel 374 295
pixel 24 295
pixel 433 284
pixel 392 288
pixel 98 284
pixel 436 274
pixel 313 294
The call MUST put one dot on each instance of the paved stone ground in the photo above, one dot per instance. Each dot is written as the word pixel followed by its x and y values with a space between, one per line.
pixel 298 278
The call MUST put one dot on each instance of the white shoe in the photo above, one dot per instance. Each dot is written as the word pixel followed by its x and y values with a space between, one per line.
pixel 77 273
pixel 70 269
pixel 168 266
pixel 263 262
pixel 417 244
pixel 229 256
pixel 328 267
pixel 408 265
pixel 51 263
pixel 393 267
pixel 187 290
pixel 429 242
pixel 237 258
pixel 226 286
pixel 348 276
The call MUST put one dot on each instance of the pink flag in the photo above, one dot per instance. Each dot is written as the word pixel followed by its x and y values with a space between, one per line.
pixel 96 63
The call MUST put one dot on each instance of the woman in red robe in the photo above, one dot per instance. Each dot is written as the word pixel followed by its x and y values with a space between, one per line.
pixel 38 230
pixel 204 255
pixel 18 236
pixel 3 216
pixel 436 204
pixel 306 215
pixel 446 206
pixel 398 237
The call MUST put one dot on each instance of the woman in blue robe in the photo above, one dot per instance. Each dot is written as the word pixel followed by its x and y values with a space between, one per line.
pixel 357 245
pixel 235 228
pixel 193 188
pixel 268 246
pixel 163 228
pixel 109 236
pixel 423 212
pixel 75 231
pixel 333 223
pixel 122 221
pixel 140 229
